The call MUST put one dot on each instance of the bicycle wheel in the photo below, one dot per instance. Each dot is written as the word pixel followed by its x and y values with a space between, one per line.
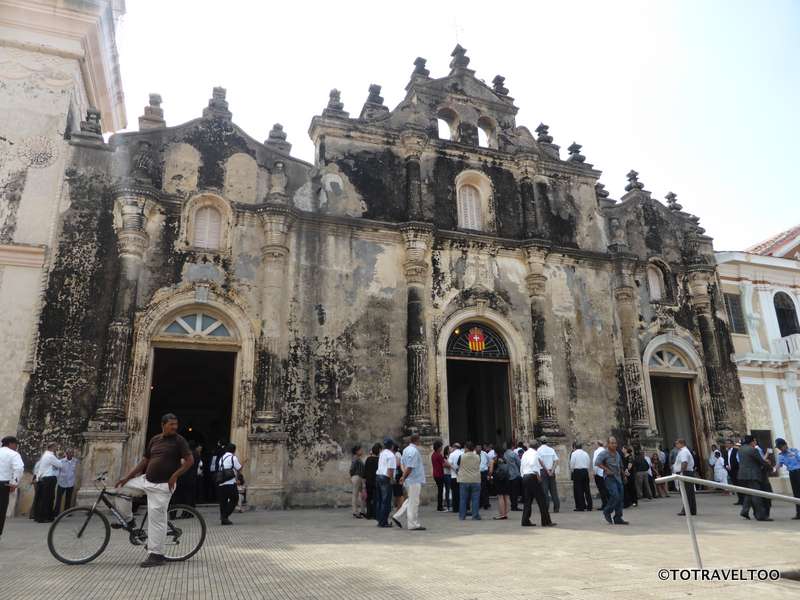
pixel 186 532
pixel 78 535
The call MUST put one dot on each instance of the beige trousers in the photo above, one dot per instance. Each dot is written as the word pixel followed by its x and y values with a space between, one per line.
pixel 358 485
pixel 411 506
pixel 158 496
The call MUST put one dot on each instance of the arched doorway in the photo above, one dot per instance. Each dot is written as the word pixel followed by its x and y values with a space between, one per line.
pixel 194 362
pixel 217 342
pixel 672 369
pixel 478 396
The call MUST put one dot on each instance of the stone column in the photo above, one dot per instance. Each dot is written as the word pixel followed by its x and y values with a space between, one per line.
pixel 276 221
pixel 699 278
pixel 418 238
pixel 528 207
pixel 414 143
pixel 626 303
pixel 546 414
pixel 106 433
pixel 268 453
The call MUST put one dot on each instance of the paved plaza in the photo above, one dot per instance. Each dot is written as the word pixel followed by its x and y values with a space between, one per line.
pixel 326 553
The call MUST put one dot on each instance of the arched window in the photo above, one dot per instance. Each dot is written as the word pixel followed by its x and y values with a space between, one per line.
pixel 476 340
pixel 444 129
pixel 655 282
pixel 787 316
pixel 666 359
pixel 207 226
pixel 469 207
pixel 197 325
pixel 487 136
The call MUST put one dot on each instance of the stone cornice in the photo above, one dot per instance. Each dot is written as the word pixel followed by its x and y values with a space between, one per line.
pixel 80 30
pixel 14 255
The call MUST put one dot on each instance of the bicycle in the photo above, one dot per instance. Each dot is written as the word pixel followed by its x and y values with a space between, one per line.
pixel 81 534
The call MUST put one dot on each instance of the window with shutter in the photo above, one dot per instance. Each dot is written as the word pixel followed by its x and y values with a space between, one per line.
pixel 207 226
pixel 733 306
pixel 469 207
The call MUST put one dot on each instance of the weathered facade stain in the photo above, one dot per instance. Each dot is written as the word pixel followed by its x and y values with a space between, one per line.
pixel 339 283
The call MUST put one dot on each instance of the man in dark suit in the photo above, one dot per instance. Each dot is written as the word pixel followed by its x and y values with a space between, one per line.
pixel 731 458
pixel 751 475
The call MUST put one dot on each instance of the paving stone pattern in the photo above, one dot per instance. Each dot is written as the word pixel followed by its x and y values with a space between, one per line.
pixel 326 554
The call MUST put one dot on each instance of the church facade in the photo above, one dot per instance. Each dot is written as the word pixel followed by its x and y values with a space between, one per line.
pixel 438 269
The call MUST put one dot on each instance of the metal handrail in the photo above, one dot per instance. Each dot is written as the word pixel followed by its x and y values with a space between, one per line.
pixel 680 479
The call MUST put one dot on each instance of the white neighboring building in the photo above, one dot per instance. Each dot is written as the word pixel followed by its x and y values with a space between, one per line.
pixel 58 58
pixel 761 286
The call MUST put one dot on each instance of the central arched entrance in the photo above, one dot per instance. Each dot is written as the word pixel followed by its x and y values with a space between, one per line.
pixel 194 362
pixel 478 398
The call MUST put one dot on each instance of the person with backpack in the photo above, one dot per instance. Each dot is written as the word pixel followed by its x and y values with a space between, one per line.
pixel 227 467
pixel 500 476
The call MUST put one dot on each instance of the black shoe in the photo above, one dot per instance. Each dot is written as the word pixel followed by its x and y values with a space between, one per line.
pixel 607 518
pixel 227 522
pixel 681 514
pixel 129 525
pixel 620 522
pixel 744 516
pixel 796 518
pixel 418 529
pixel 549 524
pixel 153 560
pixel 578 509
pixel 529 524
pixel 397 522
pixel 766 519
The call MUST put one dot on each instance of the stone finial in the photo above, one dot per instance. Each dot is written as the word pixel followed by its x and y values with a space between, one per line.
pixel 499 88
pixel 419 67
pixel 633 181
pixel 695 221
pixel 600 190
pixel 277 139
pixel 375 94
pixel 672 202
pixel 92 126
pixel 217 106
pixel 373 107
pixel 575 153
pixel 543 136
pixel 335 106
pixel 153 117
pixel 460 58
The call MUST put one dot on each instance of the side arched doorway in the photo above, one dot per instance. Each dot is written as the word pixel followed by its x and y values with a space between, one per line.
pixel 478 384
pixel 672 370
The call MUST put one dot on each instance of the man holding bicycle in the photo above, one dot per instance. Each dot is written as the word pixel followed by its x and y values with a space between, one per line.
pixel 166 458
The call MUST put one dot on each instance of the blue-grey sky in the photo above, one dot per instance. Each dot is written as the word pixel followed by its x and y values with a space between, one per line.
pixel 700 97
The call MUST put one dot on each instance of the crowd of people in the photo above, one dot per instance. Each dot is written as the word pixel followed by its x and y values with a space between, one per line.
pixel 468 475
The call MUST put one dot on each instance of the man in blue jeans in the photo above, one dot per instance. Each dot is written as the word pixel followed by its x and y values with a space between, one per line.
pixel 469 481
pixel 610 461
pixel 387 463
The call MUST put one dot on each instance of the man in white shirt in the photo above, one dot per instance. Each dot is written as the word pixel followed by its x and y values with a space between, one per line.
pixel 46 479
pixel 387 463
pixel 549 460
pixel 579 463
pixel 66 481
pixel 599 475
pixel 228 493
pixel 684 465
pixel 413 479
pixel 453 459
pixel 530 468
pixel 11 468
pixel 484 469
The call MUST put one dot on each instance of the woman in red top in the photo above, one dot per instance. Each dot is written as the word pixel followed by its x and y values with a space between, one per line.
pixel 437 462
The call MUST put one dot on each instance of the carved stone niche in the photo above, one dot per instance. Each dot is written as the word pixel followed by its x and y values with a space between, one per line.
pixel 268 469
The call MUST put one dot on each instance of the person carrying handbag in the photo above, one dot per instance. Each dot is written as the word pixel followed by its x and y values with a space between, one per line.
pixel 227 467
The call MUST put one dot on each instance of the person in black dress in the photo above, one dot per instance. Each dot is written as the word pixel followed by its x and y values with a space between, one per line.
pixel 370 470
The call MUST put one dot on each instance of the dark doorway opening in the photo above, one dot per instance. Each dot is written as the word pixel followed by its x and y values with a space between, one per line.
pixel 673 408
pixel 477 401
pixel 197 386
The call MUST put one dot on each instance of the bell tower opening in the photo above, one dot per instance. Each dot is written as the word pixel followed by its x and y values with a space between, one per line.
pixel 478 385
